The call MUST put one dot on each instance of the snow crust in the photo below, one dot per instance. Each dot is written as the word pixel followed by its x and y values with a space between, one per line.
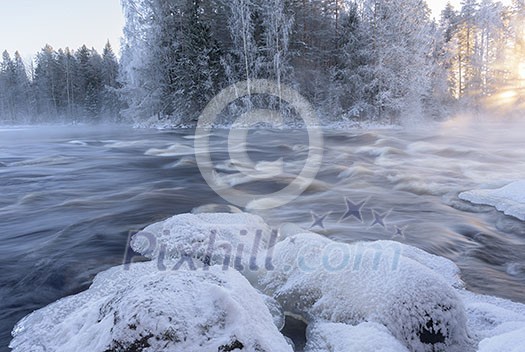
pixel 373 296
pixel 509 199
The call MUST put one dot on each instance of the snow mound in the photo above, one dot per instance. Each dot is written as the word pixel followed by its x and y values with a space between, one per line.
pixel 317 278
pixel 231 240
pixel 509 199
pixel 338 337
pixel 143 309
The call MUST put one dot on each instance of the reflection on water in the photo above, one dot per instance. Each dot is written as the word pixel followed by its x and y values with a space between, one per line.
pixel 70 197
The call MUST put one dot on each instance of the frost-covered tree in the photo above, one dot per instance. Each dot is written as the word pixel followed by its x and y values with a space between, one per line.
pixel 7 81
pixel 46 83
pixel 397 76
pixel 15 90
pixel 241 61
pixel 109 74
pixel 197 67
pixel 170 62
pixel 345 96
pixel 141 74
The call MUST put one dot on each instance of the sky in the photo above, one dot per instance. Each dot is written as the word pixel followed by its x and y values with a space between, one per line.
pixel 28 25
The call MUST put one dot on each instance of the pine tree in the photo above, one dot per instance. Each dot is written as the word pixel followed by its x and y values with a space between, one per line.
pixel 109 72
pixel 8 84
pixel 46 83
pixel 22 91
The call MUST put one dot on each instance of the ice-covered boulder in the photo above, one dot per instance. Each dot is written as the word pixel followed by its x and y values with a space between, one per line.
pixel 509 199
pixel 232 240
pixel 144 309
pixel 320 279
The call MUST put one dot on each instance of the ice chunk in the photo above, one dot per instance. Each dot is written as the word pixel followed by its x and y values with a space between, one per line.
pixel 509 199
pixel 144 309
pixel 338 337
pixel 317 278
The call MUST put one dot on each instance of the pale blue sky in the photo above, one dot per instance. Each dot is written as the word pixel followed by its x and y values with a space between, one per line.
pixel 27 25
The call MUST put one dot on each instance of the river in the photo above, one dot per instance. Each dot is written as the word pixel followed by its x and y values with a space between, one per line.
pixel 71 196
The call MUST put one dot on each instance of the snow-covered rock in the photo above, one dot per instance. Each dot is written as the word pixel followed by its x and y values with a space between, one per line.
pixel 509 199
pixel 235 240
pixel 144 309
pixel 317 278
pixel 338 337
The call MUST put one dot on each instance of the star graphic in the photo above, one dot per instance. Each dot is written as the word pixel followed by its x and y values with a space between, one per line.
pixel 353 209
pixel 400 232
pixel 379 219
pixel 318 219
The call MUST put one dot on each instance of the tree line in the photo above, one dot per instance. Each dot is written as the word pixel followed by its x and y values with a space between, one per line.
pixel 63 86
pixel 377 60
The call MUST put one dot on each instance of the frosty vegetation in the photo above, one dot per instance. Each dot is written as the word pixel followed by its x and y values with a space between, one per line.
pixel 64 85
pixel 372 60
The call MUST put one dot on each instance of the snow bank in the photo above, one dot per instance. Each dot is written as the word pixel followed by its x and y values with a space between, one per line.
pixel 377 296
pixel 509 199
pixel 143 309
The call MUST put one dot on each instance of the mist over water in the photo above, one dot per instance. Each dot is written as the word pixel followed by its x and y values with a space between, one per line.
pixel 71 196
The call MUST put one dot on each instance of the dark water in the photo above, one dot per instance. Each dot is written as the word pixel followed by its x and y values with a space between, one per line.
pixel 71 196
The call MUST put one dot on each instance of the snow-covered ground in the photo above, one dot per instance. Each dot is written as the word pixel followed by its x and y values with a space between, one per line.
pixel 366 296
pixel 509 199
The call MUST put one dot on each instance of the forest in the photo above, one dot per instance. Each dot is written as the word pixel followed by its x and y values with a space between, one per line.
pixel 385 61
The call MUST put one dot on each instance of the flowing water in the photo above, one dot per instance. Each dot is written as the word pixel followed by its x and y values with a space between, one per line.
pixel 70 197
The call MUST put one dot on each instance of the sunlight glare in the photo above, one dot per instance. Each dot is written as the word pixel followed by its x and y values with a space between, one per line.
pixel 521 71
pixel 508 95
